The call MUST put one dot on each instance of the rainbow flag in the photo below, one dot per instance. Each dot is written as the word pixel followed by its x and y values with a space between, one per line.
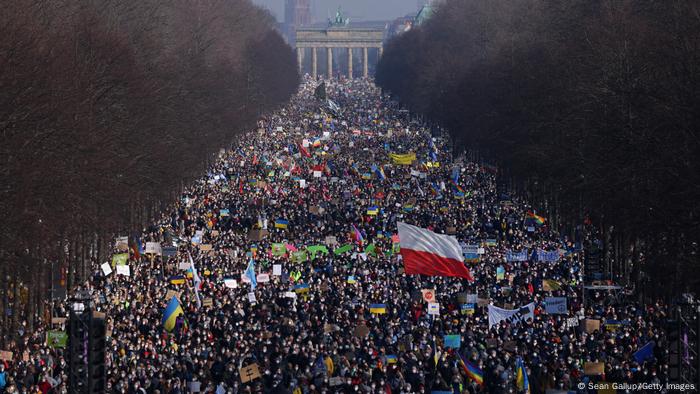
pixel 172 311
pixel 377 309
pixel 357 235
pixel 538 219
pixel 471 370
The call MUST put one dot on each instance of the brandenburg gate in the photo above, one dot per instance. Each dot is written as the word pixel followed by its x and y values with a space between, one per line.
pixel 338 35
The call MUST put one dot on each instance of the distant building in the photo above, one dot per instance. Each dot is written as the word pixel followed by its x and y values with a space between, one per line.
pixel 297 13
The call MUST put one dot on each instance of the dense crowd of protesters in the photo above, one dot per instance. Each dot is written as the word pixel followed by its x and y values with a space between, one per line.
pixel 308 176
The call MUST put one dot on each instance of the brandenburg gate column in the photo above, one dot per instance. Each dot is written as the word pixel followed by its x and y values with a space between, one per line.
pixel 350 63
pixel 330 62
pixel 300 54
pixel 365 69
pixel 314 66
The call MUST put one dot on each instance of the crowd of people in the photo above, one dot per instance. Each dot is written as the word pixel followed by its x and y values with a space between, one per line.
pixel 309 202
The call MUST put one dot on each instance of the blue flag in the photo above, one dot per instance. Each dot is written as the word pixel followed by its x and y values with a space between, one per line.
pixel 645 353
pixel 250 273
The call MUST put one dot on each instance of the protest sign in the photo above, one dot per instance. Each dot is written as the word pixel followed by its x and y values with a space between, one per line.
pixel 497 315
pixel 433 308
pixel 556 305
pixel 591 325
pixel 249 372
pixel 106 269
pixel 153 248
pixel 452 341
pixel 123 270
pixel 428 295
pixel 277 270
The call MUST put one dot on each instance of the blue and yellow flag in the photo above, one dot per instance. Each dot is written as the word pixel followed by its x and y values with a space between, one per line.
pixel 281 223
pixel 521 380
pixel 372 211
pixel 377 309
pixel 172 311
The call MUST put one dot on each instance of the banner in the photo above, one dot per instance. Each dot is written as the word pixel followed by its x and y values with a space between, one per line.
pixel 119 259
pixel 153 248
pixel 546 256
pixel 497 315
pixel 516 256
pixel 403 159
pixel 556 306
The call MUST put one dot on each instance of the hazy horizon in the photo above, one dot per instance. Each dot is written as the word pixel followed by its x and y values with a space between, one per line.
pixel 358 10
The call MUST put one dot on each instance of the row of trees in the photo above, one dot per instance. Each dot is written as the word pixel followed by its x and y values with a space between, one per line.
pixel 107 107
pixel 593 105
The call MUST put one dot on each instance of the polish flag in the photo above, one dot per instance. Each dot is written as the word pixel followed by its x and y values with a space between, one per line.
pixel 425 252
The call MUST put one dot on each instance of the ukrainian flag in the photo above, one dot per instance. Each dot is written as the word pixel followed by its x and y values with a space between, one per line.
pixel 377 309
pixel 281 223
pixel 380 173
pixel 351 279
pixel 172 311
pixel 521 380
pixel 372 211
pixel 391 359
pixel 177 279
pixel 301 288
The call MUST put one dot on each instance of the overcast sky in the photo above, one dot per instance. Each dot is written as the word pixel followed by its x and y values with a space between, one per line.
pixel 360 10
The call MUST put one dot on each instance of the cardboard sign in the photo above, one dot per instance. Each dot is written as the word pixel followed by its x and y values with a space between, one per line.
pixel 5 355
pixel 433 308
pixel 592 325
pixel 122 244
pixel 207 302
pixel 172 293
pixel 205 247
pixel 361 331
pixel 257 235
pixel 428 295
pixel 336 381
pixel 58 320
pixel 593 369
pixel 249 372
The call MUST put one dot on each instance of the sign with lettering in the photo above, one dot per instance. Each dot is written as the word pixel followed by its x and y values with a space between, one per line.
pixel 497 315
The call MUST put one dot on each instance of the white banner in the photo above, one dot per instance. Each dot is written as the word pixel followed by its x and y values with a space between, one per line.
pixel 123 270
pixel 106 269
pixel 153 248
pixel 497 315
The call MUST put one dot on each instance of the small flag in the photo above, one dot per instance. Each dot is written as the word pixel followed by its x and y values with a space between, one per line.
pixel 538 219
pixel 281 223
pixel 177 279
pixel 351 280
pixel 377 309
pixel 357 235
pixel 372 211
pixel 301 288
pixel 391 359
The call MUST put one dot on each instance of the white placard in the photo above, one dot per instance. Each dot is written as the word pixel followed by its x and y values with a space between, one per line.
pixel 263 278
pixel 290 294
pixel 277 270
pixel 317 174
pixel 471 298
pixel 231 283
pixel 184 266
pixel 302 183
pixel 123 270
pixel 251 297
pixel 434 308
pixel 305 143
pixel 106 269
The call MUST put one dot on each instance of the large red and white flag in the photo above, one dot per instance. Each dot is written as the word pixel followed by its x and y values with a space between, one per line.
pixel 425 252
